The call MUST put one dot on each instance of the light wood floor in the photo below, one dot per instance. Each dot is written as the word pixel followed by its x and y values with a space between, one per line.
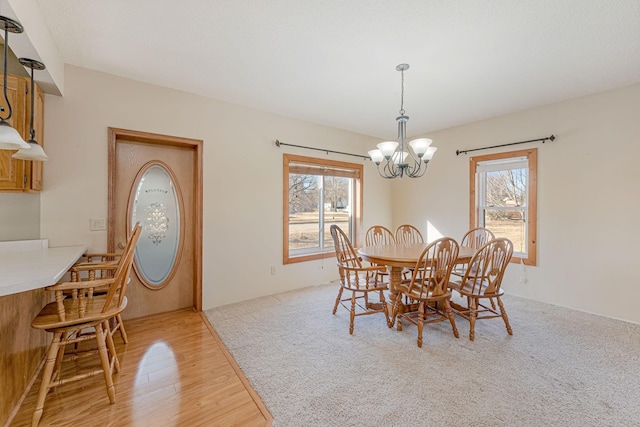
pixel 175 371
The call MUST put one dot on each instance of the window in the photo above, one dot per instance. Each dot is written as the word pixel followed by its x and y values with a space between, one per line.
pixel 503 199
pixel 317 194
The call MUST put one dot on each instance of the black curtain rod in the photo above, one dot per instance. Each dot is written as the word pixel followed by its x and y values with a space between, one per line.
pixel 550 138
pixel 279 143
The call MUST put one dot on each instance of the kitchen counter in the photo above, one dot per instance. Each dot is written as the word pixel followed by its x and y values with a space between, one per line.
pixel 24 267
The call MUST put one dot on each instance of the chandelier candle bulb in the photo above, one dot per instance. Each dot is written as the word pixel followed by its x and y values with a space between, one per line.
pixel 429 154
pixel 420 145
pixel 400 158
pixel 387 148
pixel 376 156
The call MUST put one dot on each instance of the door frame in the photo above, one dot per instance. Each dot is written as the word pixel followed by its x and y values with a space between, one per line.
pixel 166 140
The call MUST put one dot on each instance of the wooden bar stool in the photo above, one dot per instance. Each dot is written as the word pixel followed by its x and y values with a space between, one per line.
pixel 78 315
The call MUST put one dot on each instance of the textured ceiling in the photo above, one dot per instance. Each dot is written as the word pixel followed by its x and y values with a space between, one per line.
pixel 333 61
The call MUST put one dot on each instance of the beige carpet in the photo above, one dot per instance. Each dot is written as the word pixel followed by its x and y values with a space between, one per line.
pixel 560 368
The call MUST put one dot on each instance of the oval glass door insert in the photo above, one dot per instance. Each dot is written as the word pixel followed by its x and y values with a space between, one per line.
pixel 155 202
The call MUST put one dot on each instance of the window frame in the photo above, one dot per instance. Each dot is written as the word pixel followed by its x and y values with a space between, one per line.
pixel 532 195
pixel 356 215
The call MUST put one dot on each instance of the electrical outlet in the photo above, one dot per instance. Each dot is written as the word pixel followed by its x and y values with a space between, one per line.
pixel 97 224
pixel 273 271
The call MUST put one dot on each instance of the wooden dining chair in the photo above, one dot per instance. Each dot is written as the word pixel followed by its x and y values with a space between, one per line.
pixel 379 235
pixel 407 233
pixel 359 281
pixel 474 238
pixel 82 270
pixel 429 287
pixel 79 315
pixel 482 281
pixel 94 266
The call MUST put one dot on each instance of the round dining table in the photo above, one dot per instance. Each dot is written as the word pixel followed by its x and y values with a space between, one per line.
pixel 403 255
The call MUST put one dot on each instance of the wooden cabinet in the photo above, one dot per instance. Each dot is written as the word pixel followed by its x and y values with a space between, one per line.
pixel 22 175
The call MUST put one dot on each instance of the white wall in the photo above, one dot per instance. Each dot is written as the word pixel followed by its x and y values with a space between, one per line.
pixel 588 198
pixel 242 232
pixel 20 216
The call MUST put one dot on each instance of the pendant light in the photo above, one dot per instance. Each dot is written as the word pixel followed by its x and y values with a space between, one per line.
pixel 36 152
pixel 10 139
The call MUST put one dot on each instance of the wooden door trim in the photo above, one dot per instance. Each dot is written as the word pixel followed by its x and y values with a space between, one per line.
pixel 167 140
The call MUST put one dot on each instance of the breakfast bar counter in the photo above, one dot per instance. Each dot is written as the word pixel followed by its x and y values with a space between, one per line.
pixel 26 268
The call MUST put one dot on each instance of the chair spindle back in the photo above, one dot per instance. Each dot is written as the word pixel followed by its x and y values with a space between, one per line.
pixel 122 273
pixel 379 235
pixel 433 268
pixel 407 233
pixel 345 253
pixel 476 237
pixel 486 269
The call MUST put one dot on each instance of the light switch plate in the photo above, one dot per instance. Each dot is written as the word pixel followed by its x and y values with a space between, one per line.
pixel 97 224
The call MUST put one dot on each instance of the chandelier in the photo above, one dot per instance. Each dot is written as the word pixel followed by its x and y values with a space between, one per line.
pixel 394 159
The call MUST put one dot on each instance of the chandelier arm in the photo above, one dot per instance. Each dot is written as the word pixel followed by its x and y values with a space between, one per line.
pixel 382 174
pixel 415 169
pixel 380 171
pixel 412 170
pixel 389 168
pixel 418 172
pixel 417 161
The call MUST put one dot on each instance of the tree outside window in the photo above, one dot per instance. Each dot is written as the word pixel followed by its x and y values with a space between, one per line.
pixel 318 193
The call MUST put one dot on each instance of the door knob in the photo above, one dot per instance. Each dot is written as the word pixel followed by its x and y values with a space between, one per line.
pixel 122 245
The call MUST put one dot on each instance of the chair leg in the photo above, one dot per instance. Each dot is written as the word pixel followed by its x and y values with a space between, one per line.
pixel 123 333
pixel 449 313
pixel 420 322
pixel 504 316
pixel 352 312
pixel 335 307
pixel 52 357
pixel 111 347
pixel 473 312
pixel 57 367
pixel 104 360
pixel 385 309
